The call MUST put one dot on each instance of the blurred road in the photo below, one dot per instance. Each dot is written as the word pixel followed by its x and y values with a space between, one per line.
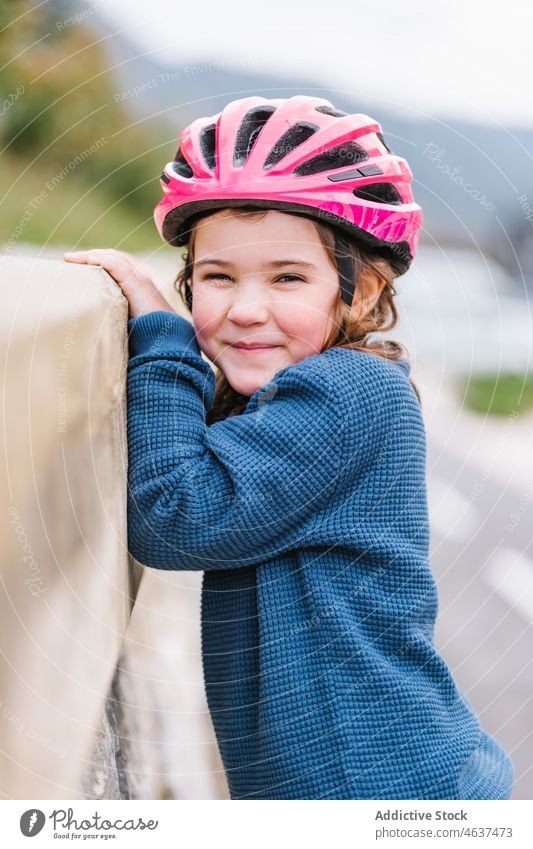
pixel 480 534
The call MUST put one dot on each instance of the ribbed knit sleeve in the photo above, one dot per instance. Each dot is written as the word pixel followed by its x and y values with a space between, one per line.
pixel 242 490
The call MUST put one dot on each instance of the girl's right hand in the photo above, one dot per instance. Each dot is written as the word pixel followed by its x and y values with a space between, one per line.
pixel 132 276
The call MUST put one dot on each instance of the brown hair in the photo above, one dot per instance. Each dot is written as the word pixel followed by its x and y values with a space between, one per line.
pixel 349 330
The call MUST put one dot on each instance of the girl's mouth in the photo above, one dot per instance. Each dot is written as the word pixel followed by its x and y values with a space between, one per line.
pixel 257 349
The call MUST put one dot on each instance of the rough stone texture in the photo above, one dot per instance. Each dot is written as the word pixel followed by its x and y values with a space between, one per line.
pixel 103 778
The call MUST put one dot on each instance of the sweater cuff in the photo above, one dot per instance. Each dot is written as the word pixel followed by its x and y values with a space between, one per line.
pixel 160 331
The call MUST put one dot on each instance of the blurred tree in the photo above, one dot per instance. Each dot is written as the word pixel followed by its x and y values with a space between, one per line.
pixel 57 100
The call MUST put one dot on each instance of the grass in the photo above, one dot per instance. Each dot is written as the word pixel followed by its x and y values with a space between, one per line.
pixel 498 395
pixel 73 213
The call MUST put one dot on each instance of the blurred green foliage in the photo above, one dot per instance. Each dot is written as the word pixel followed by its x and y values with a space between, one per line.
pixel 498 395
pixel 56 101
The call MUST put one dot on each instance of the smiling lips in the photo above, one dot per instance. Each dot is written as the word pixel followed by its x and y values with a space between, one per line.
pixel 255 348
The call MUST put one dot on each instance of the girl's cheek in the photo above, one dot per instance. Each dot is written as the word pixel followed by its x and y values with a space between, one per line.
pixel 206 321
pixel 304 324
pixel 202 313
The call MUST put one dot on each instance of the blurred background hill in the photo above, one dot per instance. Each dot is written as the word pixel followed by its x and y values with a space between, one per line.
pixel 57 95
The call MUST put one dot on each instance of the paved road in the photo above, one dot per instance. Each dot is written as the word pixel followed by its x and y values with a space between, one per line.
pixel 481 532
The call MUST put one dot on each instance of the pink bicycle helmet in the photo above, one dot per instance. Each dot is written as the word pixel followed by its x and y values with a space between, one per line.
pixel 299 155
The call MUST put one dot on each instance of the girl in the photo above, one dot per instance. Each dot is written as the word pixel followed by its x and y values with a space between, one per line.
pixel 296 479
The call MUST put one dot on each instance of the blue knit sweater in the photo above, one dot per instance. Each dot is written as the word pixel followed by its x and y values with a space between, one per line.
pixel 308 515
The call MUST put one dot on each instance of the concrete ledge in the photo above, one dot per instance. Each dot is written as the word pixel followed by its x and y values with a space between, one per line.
pixel 68 583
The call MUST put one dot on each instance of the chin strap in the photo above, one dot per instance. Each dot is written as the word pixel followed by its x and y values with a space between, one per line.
pixel 346 269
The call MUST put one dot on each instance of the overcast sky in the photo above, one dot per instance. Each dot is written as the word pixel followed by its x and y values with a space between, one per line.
pixel 462 58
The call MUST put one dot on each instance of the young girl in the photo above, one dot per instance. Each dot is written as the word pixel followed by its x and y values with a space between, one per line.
pixel 296 479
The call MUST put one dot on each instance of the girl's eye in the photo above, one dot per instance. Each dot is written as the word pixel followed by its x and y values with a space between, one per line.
pixel 223 277
pixel 289 277
pixel 217 277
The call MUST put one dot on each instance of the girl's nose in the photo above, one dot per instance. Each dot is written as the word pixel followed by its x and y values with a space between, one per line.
pixel 249 306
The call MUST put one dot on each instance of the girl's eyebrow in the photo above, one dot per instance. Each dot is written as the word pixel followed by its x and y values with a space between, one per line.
pixel 277 263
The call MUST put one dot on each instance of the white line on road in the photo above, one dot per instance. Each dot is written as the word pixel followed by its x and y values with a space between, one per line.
pixel 454 516
pixel 510 573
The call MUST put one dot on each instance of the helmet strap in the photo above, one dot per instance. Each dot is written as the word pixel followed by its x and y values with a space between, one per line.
pixel 346 269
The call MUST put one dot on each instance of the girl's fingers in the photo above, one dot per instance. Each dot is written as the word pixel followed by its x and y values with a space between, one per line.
pixel 119 265
pixel 95 256
pixel 134 278
pixel 74 256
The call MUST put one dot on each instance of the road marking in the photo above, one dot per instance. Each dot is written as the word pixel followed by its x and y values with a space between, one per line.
pixel 510 573
pixel 451 514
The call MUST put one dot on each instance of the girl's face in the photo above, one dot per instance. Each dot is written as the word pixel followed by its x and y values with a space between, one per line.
pixel 266 282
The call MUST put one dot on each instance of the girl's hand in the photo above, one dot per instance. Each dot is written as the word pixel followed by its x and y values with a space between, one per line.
pixel 132 276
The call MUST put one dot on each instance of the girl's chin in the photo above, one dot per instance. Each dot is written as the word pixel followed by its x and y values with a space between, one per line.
pixel 249 373
pixel 248 387
pixel 248 384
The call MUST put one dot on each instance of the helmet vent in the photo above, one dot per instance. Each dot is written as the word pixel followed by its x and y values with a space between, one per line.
pixel 383 142
pixel 181 166
pixel 290 140
pixel 252 124
pixel 330 110
pixel 207 145
pixel 336 157
pixel 379 193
